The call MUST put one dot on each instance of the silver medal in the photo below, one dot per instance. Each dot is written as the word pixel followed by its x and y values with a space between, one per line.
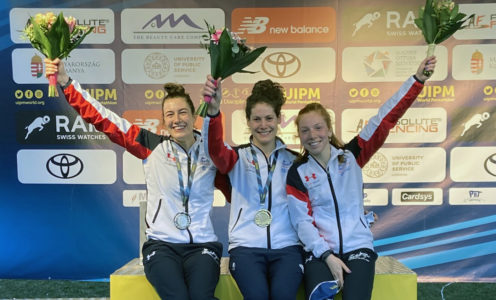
pixel 263 218
pixel 182 220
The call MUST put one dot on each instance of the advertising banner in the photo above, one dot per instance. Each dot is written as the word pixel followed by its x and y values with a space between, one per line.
pixel 70 197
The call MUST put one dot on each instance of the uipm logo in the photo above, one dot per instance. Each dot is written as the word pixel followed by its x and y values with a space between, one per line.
pixel 157 21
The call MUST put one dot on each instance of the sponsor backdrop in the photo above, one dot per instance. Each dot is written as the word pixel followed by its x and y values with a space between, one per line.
pixel 70 198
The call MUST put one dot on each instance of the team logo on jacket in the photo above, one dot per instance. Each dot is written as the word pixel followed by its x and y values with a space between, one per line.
pixel 311 181
pixel 250 164
pixel 204 163
pixel 286 164
pixel 313 176
pixel 170 157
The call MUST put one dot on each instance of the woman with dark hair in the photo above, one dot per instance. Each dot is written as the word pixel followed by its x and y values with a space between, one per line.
pixel 181 255
pixel 325 194
pixel 265 253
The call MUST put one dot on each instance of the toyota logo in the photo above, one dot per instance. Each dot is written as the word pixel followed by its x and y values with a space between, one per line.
pixel 281 64
pixel 490 164
pixel 64 166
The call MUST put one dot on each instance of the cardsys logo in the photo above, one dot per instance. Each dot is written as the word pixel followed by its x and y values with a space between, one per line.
pixel 417 196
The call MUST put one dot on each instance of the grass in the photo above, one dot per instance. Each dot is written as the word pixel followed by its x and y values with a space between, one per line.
pixel 456 291
pixel 25 289
pixel 19 288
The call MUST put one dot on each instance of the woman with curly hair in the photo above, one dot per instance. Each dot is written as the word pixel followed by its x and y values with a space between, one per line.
pixel 265 253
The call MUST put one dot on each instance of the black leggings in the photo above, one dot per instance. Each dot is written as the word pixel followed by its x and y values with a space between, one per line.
pixel 263 274
pixel 182 271
pixel 357 285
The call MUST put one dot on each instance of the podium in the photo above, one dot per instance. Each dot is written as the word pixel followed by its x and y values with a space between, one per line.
pixel 393 281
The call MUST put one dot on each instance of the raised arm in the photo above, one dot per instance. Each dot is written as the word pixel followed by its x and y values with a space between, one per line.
pixel 118 130
pixel 374 134
pixel 223 156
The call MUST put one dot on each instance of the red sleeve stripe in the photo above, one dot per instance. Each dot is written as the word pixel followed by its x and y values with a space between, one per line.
pixel 223 157
pixel 373 136
pixel 303 197
pixel 118 130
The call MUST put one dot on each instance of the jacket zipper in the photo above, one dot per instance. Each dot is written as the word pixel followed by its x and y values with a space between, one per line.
pixel 269 200
pixel 269 191
pixel 187 202
pixel 336 208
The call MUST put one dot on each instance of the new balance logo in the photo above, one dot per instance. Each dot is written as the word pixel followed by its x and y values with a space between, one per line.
pixel 254 25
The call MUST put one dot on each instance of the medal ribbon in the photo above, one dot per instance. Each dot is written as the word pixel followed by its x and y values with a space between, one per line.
pixel 262 191
pixel 185 191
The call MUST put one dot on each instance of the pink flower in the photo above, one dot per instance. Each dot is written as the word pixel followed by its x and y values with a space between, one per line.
pixel 71 22
pixel 215 37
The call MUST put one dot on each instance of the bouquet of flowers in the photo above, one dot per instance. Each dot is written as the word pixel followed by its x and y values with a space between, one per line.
pixel 438 20
pixel 55 37
pixel 228 55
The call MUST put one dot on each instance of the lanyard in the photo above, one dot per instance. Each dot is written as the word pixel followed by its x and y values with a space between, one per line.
pixel 185 191
pixel 262 191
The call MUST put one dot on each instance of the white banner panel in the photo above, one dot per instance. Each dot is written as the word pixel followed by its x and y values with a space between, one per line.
pixel 375 197
pixel 132 198
pixel 426 164
pixel 66 166
pixel 292 65
pixel 472 196
pixel 168 26
pixel 481 26
pixel 95 66
pixel 474 62
pixel 102 19
pixel 141 66
pixel 473 164
pixel 219 199
pixel 393 63
pixel 418 125
pixel 132 169
pixel 417 196
pixel 287 128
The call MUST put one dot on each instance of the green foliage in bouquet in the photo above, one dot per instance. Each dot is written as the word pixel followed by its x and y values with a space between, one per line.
pixel 55 36
pixel 228 55
pixel 438 20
